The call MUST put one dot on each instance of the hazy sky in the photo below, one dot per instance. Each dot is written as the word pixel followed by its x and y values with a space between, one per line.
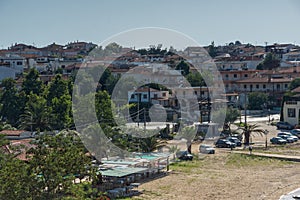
pixel 42 22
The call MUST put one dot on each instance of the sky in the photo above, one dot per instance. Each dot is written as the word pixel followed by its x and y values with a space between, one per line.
pixel 42 22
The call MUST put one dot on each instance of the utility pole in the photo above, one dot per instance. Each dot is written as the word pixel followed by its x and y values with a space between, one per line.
pixel 144 110
pixel 138 110
pixel 245 105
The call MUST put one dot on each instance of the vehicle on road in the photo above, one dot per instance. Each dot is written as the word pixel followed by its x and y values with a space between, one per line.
pixel 285 135
pixel 295 132
pixel 223 143
pixel 205 148
pixel 284 125
pixel 277 140
pixel 235 140
pixel 184 155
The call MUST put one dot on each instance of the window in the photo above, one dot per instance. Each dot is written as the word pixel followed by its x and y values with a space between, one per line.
pixel 257 86
pixel 245 86
pixel 226 75
pixel 286 85
pixel 245 75
pixel 264 86
pixel 132 96
pixel 164 94
pixel 155 96
pixel 235 75
pixel 144 96
pixel 195 92
pixel 291 112
pixel 278 86
pixel 226 85
pixel 19 63
pixel 291 102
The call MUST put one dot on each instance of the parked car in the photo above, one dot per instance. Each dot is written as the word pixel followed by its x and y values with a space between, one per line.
pixel 184 155
pixel 284 125
pixel 223 143
pixel 295 132
pixel 288 138
pixel 237 142
pixel 277 140
pixel 205 148
pixel 287 134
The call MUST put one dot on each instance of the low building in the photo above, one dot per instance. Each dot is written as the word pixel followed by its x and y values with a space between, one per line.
pixel 290 111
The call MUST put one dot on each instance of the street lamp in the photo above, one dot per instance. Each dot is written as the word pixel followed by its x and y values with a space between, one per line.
pixel 266 134
pixel 269 112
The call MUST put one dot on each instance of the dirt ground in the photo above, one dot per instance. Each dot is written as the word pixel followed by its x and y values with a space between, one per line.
pixel 221 177
pixel 225 175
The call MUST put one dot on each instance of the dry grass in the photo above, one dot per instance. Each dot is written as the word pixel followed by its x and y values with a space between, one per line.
pixel 225 176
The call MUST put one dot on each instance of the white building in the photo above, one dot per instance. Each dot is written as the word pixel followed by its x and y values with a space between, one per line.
pixel 291 110
pixel 11 65
pixel 15 61
pixel 145 94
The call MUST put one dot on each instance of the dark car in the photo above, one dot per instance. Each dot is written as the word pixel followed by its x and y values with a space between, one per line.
pixel 277 140
pixel 184 155
pixel 223 143
pixel 284 125
pixel 237 142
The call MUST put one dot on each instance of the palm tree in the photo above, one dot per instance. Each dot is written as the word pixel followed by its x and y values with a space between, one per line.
pixel 151 144
pixel 36 114
pixel 188 133
pixel 173 150
pixel 248 130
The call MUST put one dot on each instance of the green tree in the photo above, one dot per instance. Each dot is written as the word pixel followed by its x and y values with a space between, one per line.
pixel 195 79
pixel 16 179
pixel 250 129
pixel 270 62
pixel 294 83
pixel 257 100
pixel 60 112
pixel 36 114
pixel 188 133
pixel 104 108
pixel 150 144
pixel 10 102
pixel 59 102
pixel 58 160
pixel 183 67
pixel 212 50
pixel 57 88
pixel 32 83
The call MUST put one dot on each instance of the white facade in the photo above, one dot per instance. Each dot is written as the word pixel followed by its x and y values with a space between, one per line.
pixel 291 112
pixel 15 62
pixel 142 95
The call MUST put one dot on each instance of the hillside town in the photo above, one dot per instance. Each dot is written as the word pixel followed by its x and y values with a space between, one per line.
pixel 241 67
pixel 181 93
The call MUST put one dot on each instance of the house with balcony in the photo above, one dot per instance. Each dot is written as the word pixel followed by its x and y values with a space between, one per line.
pixel 149 95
